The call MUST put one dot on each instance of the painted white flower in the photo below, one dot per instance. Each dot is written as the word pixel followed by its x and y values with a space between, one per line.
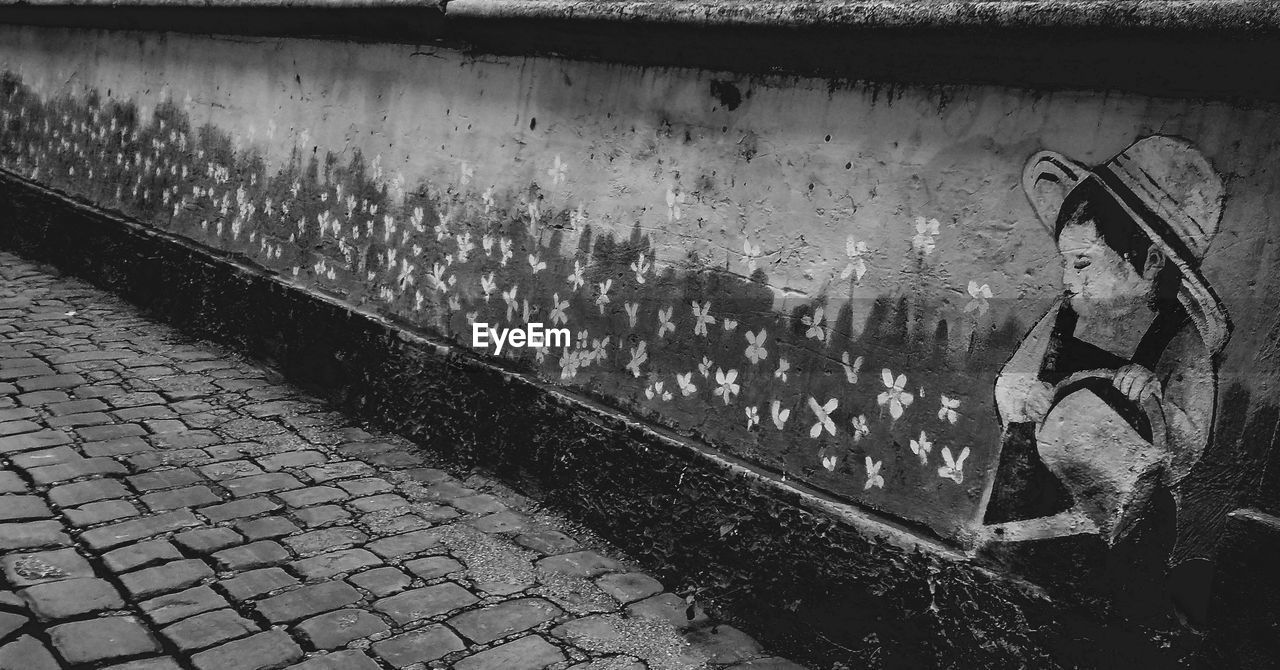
pixel 537 264
pixel 783 368
pixel 726 385
pixel 575 277
pixel 749 255
pixel 857 265
pixel 582 339
pixel 729 325
pixel 510 298
pixel 874 478
pixel 817 326
pixel 705 367
pixel 464 246
pixel 702 317
pixel 488 285
pixel 504 246
pixel 860 428
pixel 486 243
pixel 557 171
pixel 829 462
pixel 654 390
pixel 894 396
pixel 437 275
pixel 755 346
pixel 471 317
pixel 823 415
pixel 641 267
pixel 921 448
pixel 487 199
pixel 570 361
pixel 557 309
pixel 664 321
pixel 953 468
pixel 947 411
pixel 454 303
pixel 685 382
pixel 599 348
pixel 603 298
pixel 979 296
pixel 780 415
pixel 633 310
pixel 534 214
pixel 638 358
pixel 926 231
pixel 674 201
pixel 850 369
pixel 753 417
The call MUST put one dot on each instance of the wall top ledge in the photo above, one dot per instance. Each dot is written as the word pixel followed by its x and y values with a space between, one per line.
pixel 1177 15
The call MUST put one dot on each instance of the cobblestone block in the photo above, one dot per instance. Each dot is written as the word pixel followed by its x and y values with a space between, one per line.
pixel 189 439
pixel 191 496
pixel 140 555
pixel 230 470
pixel 418 646
pixel 164 479
pixel 22 508
pixel 378 502
pixel 71 597
pixel 325 540
pixel 425 602
pixel 336 629
pixel 238 509
pixel 312 495
pixel 31 535
pixel 333 563
pixel 292 459
pixel 100 512
pixel 17 413
pixel 669 607
pixel 405 544
pixel 382 581
pixel 504 619
pixel 10 622
pixel 75 469
pixel 78 493
pixel 165 578
pixel 208 629
pixel 723 644
pixel 26 653
pixel 45 566
pixel 207 540
pixel 164 426
pixel 321 515
pixel 163 663
pixel 18 427
pixel 10 482
pixel 339 660
pixel 253 555
pixel 108 537
pixel 27 441
pixel 102 639
pixel 111 432
pixel 628 587
pixel 343 470
pixel 123 446
pixel 265 483
pixel 502 522
pixel 76 407
pixel 264 650
pixel 77 420
pixel 365 486
pixel 169 608
pixel 40 457
pixel 48 382
pixel 528 653
pixel 144 412
pixel 257 582
pixel 307 601
pixel 580 564
pixel 433 567
pixel 481 503
pixel 266 528
pixel 154 459
pixel 42 398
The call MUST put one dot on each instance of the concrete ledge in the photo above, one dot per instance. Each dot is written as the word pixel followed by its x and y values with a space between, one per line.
pixel 817 585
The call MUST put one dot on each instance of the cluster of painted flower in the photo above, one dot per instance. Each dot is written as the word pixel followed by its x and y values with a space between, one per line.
pixel 452 256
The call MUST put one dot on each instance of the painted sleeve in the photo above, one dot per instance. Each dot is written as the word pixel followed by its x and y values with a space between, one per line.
pixel 1189 384
pixel 1023 369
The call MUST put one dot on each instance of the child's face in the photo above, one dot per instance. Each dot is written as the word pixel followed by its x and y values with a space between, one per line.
pixel 1098 280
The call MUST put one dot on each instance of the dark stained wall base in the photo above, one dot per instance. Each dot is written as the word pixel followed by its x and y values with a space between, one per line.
pixel 813 586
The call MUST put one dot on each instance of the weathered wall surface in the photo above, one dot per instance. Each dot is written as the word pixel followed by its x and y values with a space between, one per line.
pixel 822 279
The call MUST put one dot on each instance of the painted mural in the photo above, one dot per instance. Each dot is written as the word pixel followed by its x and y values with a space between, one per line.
pixel 911 328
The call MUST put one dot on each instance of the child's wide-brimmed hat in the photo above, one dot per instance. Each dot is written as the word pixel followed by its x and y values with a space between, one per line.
pixel 1173 194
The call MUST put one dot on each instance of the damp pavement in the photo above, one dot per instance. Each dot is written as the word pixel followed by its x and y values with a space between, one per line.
pixel 166 504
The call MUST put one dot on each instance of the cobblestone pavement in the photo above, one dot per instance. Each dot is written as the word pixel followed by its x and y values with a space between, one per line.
pixel 165 504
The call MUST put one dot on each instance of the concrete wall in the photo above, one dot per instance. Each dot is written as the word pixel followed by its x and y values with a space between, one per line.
pixel 823 279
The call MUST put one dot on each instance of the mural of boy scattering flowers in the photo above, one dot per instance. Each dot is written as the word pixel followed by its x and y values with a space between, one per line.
pixel 1114 388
